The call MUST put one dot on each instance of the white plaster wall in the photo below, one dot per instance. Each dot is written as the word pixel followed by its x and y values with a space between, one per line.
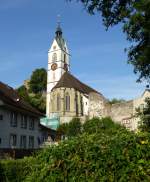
pixel 6 130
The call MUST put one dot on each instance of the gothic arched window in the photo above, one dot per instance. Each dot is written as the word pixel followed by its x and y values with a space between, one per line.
pixel 58 102
pixel 81 100
pixel 67 102
pixel 54 57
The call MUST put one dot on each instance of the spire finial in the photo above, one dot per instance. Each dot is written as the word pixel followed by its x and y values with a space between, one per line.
pixel 58 20
pixel 58 30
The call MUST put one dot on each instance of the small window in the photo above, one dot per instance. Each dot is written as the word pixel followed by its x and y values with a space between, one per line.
pixel 31 142
pixel 23 141
pixel 31 124
pixel 23 121
pixel 13 140
pixel 1 117
pixel 13 119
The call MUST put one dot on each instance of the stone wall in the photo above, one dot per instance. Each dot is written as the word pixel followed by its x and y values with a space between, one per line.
pixel 120 111
pixel 97 105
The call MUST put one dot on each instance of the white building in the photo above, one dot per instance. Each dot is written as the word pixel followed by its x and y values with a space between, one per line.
pixel 19 122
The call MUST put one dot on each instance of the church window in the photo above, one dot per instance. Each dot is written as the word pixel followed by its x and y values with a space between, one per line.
pixel 58 102
pixel 81 100
pixel 54 47
pixel 76 103
pixel 54 57
pixel 64 58
pixel 67 102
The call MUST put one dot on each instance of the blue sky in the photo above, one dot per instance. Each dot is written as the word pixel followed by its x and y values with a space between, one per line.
pixel 27 28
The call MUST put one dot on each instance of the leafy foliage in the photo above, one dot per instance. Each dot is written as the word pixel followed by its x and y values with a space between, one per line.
pixel 104 152
pixel 15 170
pixel 71 129
pixel 35 95
pixel 115 101
pixel 135 18
pixel 144 114
pixel 38 81
pixel 23 93
pixel 38 101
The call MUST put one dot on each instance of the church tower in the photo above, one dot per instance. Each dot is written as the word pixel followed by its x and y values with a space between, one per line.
pixel 58 63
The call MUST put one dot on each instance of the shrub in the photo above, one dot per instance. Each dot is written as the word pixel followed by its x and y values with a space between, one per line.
pixel 112 153
pixel 95 125
pixel 104 152
pixel 71 129
pixel 15 170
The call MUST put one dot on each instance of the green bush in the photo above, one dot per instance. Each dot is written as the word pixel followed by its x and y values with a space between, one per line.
pixel 71 129
pixel 96 125
pixel 109 153
pixel 104 152
pixel 15 170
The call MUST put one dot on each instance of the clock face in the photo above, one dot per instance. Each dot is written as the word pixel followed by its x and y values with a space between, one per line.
pixel 54 66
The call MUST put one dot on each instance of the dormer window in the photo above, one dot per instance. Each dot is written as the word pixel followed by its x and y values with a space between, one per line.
pixel 54 57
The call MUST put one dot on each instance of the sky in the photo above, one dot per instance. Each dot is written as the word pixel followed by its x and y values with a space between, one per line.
pixel 27 29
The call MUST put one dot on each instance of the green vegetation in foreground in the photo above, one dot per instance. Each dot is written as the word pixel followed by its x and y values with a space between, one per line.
pixel 104 152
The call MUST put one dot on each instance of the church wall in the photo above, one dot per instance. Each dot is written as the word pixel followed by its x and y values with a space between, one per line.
pixel 66 116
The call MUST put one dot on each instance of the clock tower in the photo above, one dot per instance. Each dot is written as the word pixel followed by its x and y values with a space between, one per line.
pixel 58 62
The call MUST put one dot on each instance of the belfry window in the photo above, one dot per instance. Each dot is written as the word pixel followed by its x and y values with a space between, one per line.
pixel 58 102
pixel 64 58
pixel 67 102
pixel 54 57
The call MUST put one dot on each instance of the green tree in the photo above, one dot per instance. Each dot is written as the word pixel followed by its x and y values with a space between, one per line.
pixel 38 81
pixel 135 18
pixel 71 129
pixel 35 94
pixel 23 93
pixel 115 101
pixel 144 114
pixel 38 101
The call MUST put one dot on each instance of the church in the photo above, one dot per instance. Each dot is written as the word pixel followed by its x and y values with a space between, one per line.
pixel 68 97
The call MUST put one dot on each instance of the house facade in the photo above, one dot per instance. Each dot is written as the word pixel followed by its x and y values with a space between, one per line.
pixel 19 122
